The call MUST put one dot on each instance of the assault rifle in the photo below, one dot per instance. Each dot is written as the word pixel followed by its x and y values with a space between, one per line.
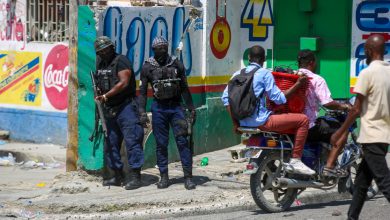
pixel 99 116
pixel 190 124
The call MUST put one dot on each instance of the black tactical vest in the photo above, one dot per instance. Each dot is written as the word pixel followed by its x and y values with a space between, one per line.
pixel 107 78
pixel 165 82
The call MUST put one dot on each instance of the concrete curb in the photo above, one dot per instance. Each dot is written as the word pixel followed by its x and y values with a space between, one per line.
pixel 312 197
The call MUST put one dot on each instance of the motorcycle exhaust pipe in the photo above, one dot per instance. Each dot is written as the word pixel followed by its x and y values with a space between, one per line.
pixel 293 183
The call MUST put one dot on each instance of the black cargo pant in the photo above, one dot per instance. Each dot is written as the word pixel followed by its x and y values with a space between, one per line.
pixel 373 166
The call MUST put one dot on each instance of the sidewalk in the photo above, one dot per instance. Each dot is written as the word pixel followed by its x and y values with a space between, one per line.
pixel 55 194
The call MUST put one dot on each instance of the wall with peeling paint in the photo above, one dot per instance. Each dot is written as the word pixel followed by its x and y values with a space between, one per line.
pixel 33 81
pixel 213 49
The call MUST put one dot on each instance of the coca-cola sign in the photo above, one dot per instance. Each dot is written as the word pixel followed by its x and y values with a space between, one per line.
pixel 56 76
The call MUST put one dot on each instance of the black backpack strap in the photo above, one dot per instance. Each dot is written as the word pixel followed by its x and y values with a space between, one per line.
pixel 252 72
pixel 261 95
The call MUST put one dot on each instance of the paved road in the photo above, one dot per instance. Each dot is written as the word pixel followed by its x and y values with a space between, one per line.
pixel 377 208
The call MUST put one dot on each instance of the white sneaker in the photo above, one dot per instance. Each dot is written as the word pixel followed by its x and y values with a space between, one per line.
pixel 296 166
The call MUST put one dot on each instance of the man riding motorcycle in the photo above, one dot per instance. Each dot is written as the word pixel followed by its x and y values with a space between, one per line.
pixel 264 84
pixel 318 94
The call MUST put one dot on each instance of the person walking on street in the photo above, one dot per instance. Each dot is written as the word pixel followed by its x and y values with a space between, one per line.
pixel 116 82
pixel 166 74
pixel 373 106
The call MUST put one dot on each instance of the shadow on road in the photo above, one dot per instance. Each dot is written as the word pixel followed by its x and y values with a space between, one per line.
pixel 313 206
pixel 199 180
pixel 148 179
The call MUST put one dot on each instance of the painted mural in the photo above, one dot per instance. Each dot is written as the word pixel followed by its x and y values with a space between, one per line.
pixel 20 78
pixel 256 23
pixel 369 17
pixel 13 23
pixel 221 35
pixel 133 30
pixel 232 34
pixel 56 76
pixel 257 17
pixel 224 42
pixel 33 80
pixel 32 75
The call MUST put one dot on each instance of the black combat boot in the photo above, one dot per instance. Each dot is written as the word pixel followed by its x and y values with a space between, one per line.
pixel 116 180
pixel 188 183
pixel 164 181
pixel 134 182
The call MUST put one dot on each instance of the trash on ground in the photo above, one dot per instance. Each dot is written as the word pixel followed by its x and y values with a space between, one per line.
pixel 24 213
pixel 41 184
pixel 298 202
pixel 8 160
pixel 336 213
pixel 33 164
pixel 2 142
pixel 241 160
pixel 204 161
pixel 231 178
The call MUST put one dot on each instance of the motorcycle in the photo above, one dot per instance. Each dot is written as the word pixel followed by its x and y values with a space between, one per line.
pixel 274 187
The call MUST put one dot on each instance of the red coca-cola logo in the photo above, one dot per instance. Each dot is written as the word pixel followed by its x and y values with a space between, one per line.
pixel 56 76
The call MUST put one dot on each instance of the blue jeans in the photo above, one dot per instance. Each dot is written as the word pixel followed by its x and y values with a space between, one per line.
pixel 125 126
pixel 164 116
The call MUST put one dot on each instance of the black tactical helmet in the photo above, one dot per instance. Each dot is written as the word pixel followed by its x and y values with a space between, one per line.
pixel 102 42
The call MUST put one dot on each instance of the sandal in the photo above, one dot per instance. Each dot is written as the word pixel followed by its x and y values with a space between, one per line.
pixel 335 172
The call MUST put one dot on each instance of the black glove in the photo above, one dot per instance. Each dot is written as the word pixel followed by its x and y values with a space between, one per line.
pixel 144 119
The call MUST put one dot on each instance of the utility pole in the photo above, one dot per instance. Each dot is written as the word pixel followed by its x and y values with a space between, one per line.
pixel 72 143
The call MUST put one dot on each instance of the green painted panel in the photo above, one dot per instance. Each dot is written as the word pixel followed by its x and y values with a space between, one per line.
pixel 330 21
pixel 90 154
pixel 310 43
pixel 334 19
pixel 306 5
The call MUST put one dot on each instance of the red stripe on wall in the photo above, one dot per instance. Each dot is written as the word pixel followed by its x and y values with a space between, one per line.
pixel 198 89
pixel 19 79
pixel 207 88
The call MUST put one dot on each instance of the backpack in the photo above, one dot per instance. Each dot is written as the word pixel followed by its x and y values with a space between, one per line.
pixel 242 98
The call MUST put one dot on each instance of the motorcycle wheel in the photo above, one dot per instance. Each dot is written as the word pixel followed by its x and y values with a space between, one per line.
pixel 267 197
pixel 350 181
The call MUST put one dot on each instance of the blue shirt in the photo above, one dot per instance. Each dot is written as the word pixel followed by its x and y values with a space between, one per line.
pixel 263 81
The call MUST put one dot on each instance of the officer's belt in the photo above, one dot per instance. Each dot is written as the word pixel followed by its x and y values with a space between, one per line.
pixel 168 103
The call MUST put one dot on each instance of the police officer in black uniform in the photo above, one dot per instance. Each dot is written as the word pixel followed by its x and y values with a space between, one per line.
pixel 167 77
pixel 116 82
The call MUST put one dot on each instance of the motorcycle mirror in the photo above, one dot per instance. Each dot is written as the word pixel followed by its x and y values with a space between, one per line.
pixel 352 100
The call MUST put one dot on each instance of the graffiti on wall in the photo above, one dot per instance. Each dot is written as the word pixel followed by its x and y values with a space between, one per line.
pixel 13 21
pixel 56 76
pixel 257 18
pixel 369 17
pixel 220 35
pixel 256 25
pixel 20 78
pixel 133 31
